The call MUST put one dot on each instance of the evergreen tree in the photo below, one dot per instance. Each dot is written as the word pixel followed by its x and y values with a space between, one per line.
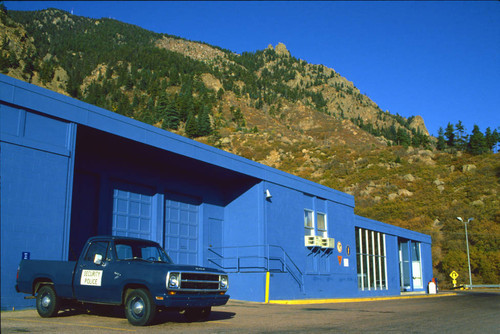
pixel 191 126
pixel 166 111
pixel 450 135
pixel 220 93
pixel 403 138
pixel 441 143
pixel 171 120
pixel 47 71
pixel 477 143
pixel 238 117
pixel 3 8
pixel 461 138
pixel 204 125
pixel 491 138
pixel 135 102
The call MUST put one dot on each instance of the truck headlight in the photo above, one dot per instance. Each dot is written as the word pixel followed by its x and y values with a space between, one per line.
pixel 223 281
pixel 173 281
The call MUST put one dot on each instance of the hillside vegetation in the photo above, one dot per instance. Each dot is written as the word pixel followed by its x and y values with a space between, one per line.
pixel 281 111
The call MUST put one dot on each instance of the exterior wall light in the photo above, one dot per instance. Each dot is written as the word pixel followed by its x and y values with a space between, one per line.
pixel 268 194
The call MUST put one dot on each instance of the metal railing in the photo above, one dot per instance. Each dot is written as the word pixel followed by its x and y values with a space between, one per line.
pixel 255 259
pixel 496 286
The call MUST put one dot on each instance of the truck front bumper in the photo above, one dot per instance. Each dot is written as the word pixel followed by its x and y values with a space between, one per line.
pixel 190 300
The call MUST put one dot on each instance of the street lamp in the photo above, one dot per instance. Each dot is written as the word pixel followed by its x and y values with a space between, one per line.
pixel 467 243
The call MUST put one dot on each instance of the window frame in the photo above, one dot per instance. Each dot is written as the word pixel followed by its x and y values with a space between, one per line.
pixel 323 232
pixel 371 256
pixel 309 230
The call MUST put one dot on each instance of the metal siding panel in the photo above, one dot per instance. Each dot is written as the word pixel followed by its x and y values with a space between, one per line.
pixel 46 130
pixel 11 120
pixel 33 201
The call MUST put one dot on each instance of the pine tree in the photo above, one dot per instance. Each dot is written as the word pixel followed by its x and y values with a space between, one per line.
pixel 191 126
pixel 238 117
pixel 171 119
pixel 461 138
pixel 477 143
pixel 450 135
pixel 491 138
pixel 167 112
pixel 403 137
pixel 204 125
pixel 441 143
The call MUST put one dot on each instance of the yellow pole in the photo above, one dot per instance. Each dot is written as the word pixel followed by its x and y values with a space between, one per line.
pixel 268 275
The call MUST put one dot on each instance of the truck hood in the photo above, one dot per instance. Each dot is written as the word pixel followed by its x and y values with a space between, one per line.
pixel 179 267
pixel 184 267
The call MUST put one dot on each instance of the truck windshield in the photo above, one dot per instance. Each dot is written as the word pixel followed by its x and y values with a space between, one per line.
pixel 143 251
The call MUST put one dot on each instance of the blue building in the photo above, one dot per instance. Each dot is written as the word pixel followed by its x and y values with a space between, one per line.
pixel 70 170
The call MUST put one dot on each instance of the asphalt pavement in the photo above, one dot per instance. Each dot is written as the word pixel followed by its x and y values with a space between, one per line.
pixel 458 312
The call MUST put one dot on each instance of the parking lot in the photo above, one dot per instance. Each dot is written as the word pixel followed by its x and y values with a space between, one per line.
pixel 463 312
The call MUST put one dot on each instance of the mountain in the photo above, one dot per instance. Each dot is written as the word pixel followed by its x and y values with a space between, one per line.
pixel 273 108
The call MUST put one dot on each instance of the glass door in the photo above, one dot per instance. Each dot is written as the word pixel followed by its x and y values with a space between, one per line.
pixel 416 265
pixel 404 265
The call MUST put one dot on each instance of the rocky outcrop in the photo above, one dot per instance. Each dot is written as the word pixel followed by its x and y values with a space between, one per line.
pixel 418 124
pixel 193 50
pixel 282 50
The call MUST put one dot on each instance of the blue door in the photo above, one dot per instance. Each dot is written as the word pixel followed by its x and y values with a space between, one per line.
pixel 133 212
pixel 182 228
pixel 215 254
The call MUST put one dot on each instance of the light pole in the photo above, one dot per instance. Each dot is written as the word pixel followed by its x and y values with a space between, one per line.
pixel 467 243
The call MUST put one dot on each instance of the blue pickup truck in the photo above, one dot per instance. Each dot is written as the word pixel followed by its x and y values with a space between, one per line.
pixel 135 273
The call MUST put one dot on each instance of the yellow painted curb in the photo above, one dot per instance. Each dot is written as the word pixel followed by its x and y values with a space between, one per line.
pixel 352 300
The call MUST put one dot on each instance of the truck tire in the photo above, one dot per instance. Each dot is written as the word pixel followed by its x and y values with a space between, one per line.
pixel 47 302
pixel 197 313
pixel 140 308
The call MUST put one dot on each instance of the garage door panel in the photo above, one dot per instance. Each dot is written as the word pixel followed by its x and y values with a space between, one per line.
pixel 133 214
pixel 181 220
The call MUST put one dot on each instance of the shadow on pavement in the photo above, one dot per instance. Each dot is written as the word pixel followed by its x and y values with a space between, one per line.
pixel 162 316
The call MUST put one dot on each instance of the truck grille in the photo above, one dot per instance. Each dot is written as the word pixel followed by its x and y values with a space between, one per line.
pixel 195 281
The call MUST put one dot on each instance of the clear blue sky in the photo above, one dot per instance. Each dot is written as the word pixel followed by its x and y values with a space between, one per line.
pixel 440 60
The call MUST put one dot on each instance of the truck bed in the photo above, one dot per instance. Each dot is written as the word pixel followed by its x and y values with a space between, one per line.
pixel 58 272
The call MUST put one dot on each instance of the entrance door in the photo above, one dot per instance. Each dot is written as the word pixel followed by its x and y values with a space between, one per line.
pixel 133 211
pixel 214 238
pixel 416 265
pixel 181 228
pixel 404 265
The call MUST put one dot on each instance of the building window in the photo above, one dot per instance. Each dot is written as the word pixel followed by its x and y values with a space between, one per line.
pixel 308 222
pixel 371 260
pixel 321 223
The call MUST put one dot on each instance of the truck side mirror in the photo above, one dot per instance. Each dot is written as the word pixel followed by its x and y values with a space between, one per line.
pixel 98 259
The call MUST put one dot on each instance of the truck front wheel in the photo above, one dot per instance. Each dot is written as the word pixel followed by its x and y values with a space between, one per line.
pixel 47 302
pixel 139 307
